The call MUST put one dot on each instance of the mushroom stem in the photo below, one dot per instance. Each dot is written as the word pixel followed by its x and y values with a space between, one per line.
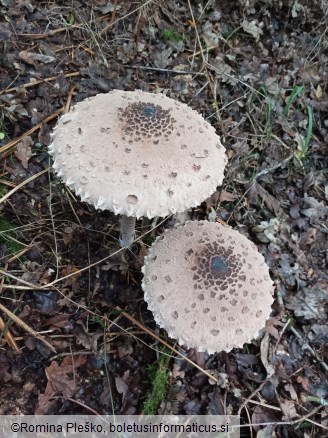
pixel 127 230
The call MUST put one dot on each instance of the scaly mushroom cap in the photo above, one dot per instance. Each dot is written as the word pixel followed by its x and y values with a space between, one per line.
pixel 137 153
pixel 208 286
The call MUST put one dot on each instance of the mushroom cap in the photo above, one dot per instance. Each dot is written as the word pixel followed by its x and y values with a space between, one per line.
pixel 208 286
pixel 137 153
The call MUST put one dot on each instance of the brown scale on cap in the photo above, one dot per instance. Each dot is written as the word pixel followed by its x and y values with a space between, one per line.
pixel 216 267
pixel 203 289
pixel 143 120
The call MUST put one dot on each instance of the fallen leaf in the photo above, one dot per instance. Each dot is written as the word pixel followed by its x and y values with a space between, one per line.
pixel 309 302
pixel 316 210
pixel 304 382
pixel 88 340
pixel 293 394
pixel 121 386
pixel 217 197
pixel 23 151
pixel 143 251
pixel 31 57
pixel 289 410
pixel 255 190
pixel 271 329
pixel 5 33
pixel 124 349
pixel 216 404
pixel 61 381
pixel 61 376
pixel 252 28
pixel 262 415
pixel 265 343
pixel 319 334
pixel 162 58
pixel 318 92
pixel 307 238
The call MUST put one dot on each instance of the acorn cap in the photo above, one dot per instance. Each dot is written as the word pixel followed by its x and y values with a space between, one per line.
pixel 208 286
pixel 137 153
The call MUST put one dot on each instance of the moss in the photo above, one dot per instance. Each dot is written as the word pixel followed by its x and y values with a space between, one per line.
pixel 171 35
pixel 7 237
pixel 159 383
pixel 3 190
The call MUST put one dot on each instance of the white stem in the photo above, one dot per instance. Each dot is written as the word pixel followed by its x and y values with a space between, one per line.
pixel 127 230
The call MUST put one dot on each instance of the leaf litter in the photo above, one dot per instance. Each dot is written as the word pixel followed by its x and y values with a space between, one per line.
pixel 259 68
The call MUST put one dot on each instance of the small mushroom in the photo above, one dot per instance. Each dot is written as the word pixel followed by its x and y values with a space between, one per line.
pixel 137 154
pixel 208 286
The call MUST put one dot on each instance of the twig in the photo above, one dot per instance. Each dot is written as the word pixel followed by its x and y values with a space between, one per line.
pixel 248 399
pixel 7 147
pixel 273 168
pixel 69 99
pixel 166 70
pixel 154 335
pixel 8 336
pixel 54 282
pixel 111 23
pixel 24 326
pixel 39 36
pixel 265 405
pixel 320 400
pixel 205 63
pixel 22 184
pixel 291 423
pixel 112 18
pixel 306 345
pixel 40 81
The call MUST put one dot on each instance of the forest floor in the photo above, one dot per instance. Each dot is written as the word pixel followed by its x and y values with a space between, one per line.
pixel 76 333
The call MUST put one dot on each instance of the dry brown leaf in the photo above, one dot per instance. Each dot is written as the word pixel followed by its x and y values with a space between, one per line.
pixel 61 376
pixel 309 74
pixel 45 401
pixel 271 329
pixel 32 57
pixel 255 190
pixel 293 394
pixel 319 333
pixel 23 151
pixel 316 210
pixel 289 410
pixel 217 197
pixel 61 380
pixel 121 385
pixel 125 349
pixel 252 28
pixel 68 236
pixel 88 340
pixel 307 238
pixel 310 302
pixel 265 355
pixel 143 251
pixel 318 92
pixel 262 415
pixel 304 382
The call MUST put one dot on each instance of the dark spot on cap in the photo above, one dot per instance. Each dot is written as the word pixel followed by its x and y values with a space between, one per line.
pixel 149 110
pixel 218 264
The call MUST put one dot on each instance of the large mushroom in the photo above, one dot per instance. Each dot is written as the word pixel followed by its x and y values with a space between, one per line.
pixel 137 154
pixel 208 286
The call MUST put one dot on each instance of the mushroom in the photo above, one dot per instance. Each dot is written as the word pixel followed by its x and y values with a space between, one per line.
pixel 137 154
pixel 208 286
